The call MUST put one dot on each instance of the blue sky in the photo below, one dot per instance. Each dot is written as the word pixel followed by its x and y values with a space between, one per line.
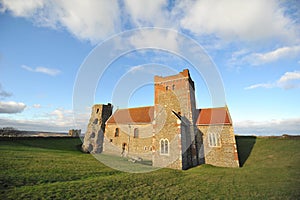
pixel 255 46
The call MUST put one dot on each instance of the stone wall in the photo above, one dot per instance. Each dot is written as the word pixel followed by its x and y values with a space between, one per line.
pixel 93 139
pixel 74 132
pixel 140 146
pixel 224 155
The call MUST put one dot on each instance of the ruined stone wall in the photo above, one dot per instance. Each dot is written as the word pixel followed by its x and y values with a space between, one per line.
pixel 74 132
pixel 140 146
pixel 93 139
pixel 224 155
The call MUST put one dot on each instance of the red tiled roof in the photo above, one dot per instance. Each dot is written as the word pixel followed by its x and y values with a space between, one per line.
pixel 213 116
pixel 132 115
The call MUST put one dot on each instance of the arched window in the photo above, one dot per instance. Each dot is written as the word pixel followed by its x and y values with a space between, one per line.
pixel 214 139
pixel 173 87
pixel 164 146
pixel 97 110
pixel 167 88
pixel 136 133
pixel 117 132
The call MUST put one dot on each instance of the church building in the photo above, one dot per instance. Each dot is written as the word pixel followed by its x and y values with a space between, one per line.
pixel 172 133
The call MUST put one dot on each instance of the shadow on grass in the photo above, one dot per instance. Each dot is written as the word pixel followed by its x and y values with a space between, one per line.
pixel 245 145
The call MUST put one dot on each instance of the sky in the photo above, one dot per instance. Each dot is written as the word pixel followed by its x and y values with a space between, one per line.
pixel 253 45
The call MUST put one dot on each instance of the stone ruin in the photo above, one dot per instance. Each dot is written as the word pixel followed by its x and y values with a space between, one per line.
pixel 94 136
pixel 74 132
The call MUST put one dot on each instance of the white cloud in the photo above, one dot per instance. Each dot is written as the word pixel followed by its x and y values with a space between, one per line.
pixel 229 20
pixel 61 116
pixel 92 20
pixel 135 69
pixel 147 13
pixel 3 93
pixel 280 53
pixel 239 20
pixel 289 80
pixel 244 56
pixel 11 107
pixel 59 113
pixel 57 120
pixel 44 70
pixel 268 127
pixel 22 8
pixel 154 38
pixel 34 125
pixel 260 85
pixel 89 20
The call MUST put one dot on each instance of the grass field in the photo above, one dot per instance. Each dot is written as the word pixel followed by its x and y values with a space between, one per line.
pixel 54 168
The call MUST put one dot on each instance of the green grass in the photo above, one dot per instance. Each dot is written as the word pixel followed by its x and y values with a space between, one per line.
pixel 54 168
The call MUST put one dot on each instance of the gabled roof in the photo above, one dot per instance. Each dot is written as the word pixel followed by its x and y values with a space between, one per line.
pixel 132 115
pixel 209 116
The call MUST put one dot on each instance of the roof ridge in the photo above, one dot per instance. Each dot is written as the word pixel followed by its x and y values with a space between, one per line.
pixel 212 107
pixel 134 108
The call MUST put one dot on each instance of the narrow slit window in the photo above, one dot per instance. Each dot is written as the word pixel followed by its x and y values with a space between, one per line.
pixel 117 132
pixel 136 133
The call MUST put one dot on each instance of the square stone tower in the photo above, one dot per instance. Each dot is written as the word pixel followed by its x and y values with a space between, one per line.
pixel 174 119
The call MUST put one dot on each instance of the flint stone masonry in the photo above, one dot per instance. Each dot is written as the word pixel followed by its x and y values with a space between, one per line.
pixel 94 136
pixel 226 154
pixel 173 133
pixel 140 146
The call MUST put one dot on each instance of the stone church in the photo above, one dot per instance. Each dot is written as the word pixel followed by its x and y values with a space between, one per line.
pixel 173 133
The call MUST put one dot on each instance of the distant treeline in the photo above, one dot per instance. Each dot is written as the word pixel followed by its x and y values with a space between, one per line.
pixel 10 131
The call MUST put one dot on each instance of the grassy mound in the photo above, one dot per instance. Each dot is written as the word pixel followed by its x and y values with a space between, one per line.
pixel 54 168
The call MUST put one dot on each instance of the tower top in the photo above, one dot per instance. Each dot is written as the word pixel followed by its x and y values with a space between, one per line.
pixel 184 74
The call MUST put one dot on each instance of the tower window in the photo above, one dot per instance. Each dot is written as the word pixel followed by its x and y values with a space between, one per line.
pixel 117 132
pixel 97 110
pixel 136 133
pixel 164 147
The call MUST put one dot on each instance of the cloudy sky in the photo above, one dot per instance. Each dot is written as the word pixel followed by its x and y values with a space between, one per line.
pixel 255 46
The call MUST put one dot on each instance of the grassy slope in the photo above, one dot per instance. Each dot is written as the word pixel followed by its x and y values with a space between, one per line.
pixel 54 168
